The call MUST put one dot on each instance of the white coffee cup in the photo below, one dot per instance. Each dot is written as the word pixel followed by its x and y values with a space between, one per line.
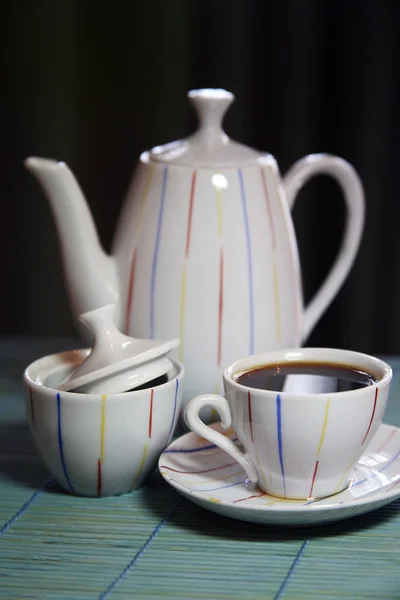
pixel 297 445
pixel 97 444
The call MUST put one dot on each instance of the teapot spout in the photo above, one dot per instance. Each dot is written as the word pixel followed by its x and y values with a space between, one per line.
pixel 90 273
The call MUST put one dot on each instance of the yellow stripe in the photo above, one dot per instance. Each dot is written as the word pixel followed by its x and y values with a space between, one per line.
pixel 278 500
pixel 275 501
pixel 219 210
pixel 321 441
pixel 340 484
pixel 102 426
pixel 261 470
pixel 182 316
pixel 141 466
pixel 143 199
pixel 276 295
pixel 214 414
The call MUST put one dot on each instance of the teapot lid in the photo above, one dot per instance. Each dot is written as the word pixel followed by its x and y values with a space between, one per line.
pixel 117 362
pixel 209 146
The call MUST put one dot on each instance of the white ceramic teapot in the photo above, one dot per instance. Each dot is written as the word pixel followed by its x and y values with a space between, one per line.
pixel 205 247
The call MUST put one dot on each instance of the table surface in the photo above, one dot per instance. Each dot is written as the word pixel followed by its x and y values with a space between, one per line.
pixel 153 544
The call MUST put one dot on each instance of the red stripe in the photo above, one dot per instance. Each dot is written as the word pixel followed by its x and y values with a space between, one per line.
pixel 250 497
pixel 99 477
pixel 392 433
pixel 151 412
pixel 221 304
pixel 31 404
pixel 271 221
pixel 250 420
pixel 130 292
pixel 197 472
pixel 189 225
pixel 372 416
pixel 313 479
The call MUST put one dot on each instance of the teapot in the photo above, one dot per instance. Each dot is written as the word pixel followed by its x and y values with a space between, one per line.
pixel 205 247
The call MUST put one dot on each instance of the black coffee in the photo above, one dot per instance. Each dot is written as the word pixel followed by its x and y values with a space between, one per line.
pixel 335 378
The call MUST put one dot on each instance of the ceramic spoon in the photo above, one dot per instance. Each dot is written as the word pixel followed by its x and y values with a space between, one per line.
pixel 117 363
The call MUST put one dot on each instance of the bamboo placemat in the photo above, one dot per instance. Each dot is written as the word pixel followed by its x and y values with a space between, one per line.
pixel 153 544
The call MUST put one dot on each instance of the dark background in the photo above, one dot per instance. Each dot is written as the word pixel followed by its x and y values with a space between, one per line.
pixel 95 84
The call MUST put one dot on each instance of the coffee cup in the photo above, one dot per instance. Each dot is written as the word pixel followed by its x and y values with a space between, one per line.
pixel 298 444
pixel 99 444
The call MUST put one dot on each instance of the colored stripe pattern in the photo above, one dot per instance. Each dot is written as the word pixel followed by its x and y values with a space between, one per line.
pixel 274 257
pixel 102 431
pixel 313 478
pixel 151 413
pixel 219 204
pixel 141 466
pixel 235 492
pixel 220 304
pixel 60 443
pixel 249 260
pixel 137 232
pixel 187 250
pixel 280 446
pixel 146 446
pixel 249 497
pixel 130 291
pixel 156 252
pixel 385 443
pixel 321 442
pixel 324 424
pixel 218 192
pixel 345 474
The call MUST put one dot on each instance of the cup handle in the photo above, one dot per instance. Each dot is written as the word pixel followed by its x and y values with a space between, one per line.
pixel 221 405
pixel 347 178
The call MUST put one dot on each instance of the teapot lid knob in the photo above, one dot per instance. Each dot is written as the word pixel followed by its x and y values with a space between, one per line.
pixel 211 106
pixel 209 146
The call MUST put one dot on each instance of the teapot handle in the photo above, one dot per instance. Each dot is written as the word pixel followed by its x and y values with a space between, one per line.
pixel 349 181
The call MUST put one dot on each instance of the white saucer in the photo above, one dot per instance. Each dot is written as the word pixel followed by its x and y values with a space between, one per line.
pixel 209 477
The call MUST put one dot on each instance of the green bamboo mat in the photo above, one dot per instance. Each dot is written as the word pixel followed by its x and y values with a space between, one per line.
pixel 153 544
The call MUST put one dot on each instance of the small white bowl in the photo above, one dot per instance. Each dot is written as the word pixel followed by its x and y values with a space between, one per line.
pixel 97 444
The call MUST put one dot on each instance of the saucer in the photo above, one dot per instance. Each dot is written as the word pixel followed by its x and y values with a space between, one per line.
pixel 211 478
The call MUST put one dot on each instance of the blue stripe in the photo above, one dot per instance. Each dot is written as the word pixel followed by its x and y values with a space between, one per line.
pixel 221 487
pixel 156 251
pixel 173 415
pixel 386 466
pixel 60 443
pixel 249 260
pixel 279 425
